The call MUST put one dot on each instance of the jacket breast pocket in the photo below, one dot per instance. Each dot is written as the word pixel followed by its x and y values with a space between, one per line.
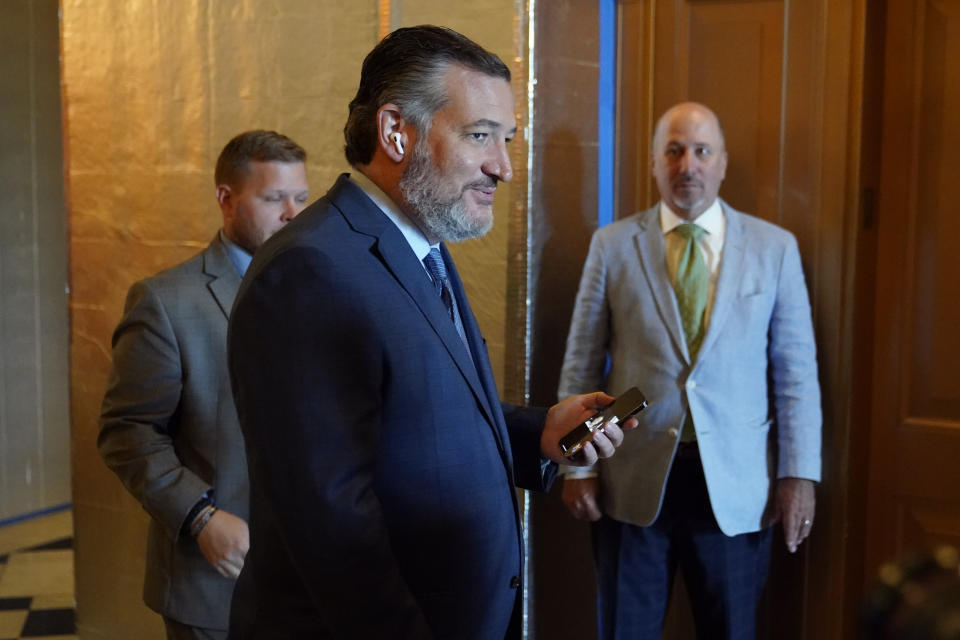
pixel 755 303
pixel 753 287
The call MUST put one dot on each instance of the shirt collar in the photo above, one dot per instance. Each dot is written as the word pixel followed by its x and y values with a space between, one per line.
pixel 710 220
pixel 239 256
pixel 415 238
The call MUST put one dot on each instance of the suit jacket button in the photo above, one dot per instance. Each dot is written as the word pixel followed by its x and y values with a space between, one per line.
pixel 514 582
pixel 672 432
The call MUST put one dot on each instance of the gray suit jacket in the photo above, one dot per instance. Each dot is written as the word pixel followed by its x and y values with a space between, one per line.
pixel 169 428
pixel 752 391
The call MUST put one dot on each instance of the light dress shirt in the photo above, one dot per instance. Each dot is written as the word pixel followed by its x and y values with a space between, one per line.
pixel 239 256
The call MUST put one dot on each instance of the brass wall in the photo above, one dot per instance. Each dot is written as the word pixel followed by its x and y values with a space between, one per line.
pixel 152 92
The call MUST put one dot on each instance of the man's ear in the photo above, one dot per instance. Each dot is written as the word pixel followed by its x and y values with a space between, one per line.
pixel 224 196
pixel 392 136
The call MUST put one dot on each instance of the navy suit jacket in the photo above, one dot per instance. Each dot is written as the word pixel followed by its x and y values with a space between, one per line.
pixel 382 467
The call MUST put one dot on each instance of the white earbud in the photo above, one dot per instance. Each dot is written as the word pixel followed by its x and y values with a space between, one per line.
pixel 395 138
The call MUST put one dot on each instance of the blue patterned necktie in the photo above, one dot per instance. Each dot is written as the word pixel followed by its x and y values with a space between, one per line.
pixel 438 273
pixel 690 285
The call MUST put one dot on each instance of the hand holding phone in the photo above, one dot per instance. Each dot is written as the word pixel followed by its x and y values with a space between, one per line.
pixel 629 403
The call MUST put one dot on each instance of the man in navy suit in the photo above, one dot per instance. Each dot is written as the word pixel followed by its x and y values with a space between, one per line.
pixel 383 466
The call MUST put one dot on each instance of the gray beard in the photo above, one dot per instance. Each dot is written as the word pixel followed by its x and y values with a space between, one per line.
pixel 444 221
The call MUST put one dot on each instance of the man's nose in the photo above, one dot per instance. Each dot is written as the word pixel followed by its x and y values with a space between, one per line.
pixel 498 165
pixel 290 209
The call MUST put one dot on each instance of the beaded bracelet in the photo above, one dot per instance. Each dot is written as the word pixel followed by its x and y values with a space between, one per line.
pixel 202 519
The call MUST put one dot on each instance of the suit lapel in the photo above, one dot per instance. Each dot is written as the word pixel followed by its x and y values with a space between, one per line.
pixel 731 273
pixel 224 279
pixel 396 255
pixel 653 260
pixel 480 359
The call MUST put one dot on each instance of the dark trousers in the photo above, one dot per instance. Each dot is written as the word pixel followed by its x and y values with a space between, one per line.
pixel 636 565
pixel 179 631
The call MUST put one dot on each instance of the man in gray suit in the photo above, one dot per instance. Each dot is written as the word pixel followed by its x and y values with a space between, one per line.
pixel 169 428
pixel 706 310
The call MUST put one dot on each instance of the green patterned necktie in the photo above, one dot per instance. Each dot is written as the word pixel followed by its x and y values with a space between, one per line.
pixel 690 285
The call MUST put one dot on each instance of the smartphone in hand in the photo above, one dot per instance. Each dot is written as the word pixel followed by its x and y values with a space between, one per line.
pixel 627 404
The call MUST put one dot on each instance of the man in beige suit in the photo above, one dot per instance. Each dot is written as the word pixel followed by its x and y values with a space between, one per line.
pixel 169 428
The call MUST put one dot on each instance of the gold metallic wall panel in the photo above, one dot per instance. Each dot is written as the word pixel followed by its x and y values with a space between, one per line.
pixel 153 90
pixel 482 263
pixel 108 592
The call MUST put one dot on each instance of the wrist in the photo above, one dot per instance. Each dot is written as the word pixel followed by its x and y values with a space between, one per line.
pixel 577 473
pixel 197 511
pixel 201 520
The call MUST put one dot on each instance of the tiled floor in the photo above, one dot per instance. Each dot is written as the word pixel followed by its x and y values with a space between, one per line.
pixel 36 579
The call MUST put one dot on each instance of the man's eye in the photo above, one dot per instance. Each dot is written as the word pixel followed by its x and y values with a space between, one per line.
pixel 478 136
pixel 703 151
pixel 273 198
pixel 302 199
